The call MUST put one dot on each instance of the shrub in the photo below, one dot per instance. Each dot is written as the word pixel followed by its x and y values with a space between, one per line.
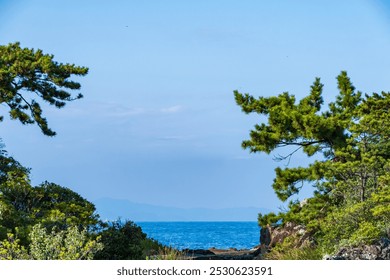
pixel 125 241
pixel 288 250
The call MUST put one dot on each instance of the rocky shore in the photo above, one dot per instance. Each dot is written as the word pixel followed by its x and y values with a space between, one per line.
pixel 270 236
pixel 222 254
pixel 380 250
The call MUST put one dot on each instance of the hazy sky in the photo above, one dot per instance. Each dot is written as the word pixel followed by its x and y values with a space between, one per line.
pixel 159 123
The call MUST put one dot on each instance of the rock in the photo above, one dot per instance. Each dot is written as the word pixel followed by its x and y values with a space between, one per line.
pixel 303 203
pixel 197 252
pixel 380 250
pixel 278 234
pixel 265 236
pixel 222 254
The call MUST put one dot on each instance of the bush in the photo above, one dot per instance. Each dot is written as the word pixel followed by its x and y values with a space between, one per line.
pixel 70 244
pixel 125 241
pixel 351 225
pixel 289 250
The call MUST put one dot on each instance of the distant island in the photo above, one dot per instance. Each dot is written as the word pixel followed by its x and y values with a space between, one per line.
pixel 112 209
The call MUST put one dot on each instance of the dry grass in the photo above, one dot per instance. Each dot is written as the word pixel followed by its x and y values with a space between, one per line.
pixel 168 253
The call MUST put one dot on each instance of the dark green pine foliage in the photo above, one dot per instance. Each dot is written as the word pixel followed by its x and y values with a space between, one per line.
pixel 302 125
pixel 350 174
pixel 26 74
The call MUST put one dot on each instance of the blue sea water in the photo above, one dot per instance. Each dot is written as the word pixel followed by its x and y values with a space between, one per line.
pixel 204 235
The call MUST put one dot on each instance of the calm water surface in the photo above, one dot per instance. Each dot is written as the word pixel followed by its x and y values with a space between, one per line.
pixel 203 235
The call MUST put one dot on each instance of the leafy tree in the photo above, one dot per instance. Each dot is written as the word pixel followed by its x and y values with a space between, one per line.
pixel 28 73
pixel 125 241
pixel 10 169
pixel 10 249
pixel 16 202
pixel 69 244
pixel 61 207
pixel 350 180
pixel 22 206
pixel 27 77
pixel 8 164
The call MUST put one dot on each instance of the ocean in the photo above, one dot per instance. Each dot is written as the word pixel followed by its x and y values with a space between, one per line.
pixel 203 235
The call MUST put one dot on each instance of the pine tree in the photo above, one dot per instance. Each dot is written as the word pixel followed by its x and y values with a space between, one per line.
pixel 349 176
pixel 28 73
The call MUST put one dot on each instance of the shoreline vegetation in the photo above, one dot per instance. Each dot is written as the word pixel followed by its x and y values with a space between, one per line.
pixel 348 216
pixel 348 144
pixel 208 254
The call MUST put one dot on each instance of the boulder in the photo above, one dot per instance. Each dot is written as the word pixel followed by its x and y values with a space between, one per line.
pixel 270 236
pixel 380 250
pixel 265 236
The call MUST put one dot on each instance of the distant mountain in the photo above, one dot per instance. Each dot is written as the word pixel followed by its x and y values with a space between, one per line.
pixel 112 209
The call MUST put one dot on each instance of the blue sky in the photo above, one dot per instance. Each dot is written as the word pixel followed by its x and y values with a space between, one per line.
pixel 158 123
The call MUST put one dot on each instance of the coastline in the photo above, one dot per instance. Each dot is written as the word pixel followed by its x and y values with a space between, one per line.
pixel 223 254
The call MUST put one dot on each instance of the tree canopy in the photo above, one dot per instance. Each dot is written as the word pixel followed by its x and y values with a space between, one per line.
pixel 350 180
pixel 50 221
pixel 53 206
pixel 26 74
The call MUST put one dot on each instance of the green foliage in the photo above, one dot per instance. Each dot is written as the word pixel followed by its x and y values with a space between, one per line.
pixel 381 209
pixel 63 212
pixel 22 206
pixel 309 212
pixel 16 200
pixel 366 233
pixel 305 126
pixel 351 225
pixel 54 222
pixel 150 247
pixel 125 241
pixel 61 207
pixel 70 244
pixel 268 219
pixel 288 250
pixel 350 176
pixel 9 164
pixel 51 221
pixel 167 253
pixel 24 71
pixel 10 249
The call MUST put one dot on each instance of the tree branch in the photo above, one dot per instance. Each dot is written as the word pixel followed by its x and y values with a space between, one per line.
pixel 280 157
